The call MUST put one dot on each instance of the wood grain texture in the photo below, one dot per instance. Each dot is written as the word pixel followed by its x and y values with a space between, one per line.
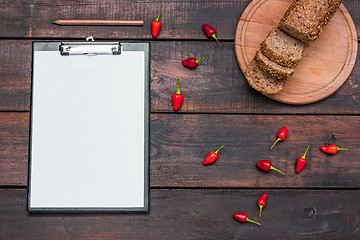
pixel 179 144
pixel 15 75
pixel 180 19
pixel 14 135
pixel 217 85
pixel 326 63
pixel 196 214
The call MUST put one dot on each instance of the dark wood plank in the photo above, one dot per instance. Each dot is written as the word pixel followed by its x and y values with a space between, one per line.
pixel 15 75
pixel 354 8
pixel 217 85
pixel 179 143
pixel 14 132
pixel 180 19
pixel 196 214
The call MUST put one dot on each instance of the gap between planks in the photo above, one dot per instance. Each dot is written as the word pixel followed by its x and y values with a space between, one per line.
pixel 226 113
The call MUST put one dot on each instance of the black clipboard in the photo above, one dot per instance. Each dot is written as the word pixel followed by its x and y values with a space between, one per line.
pixel 89 127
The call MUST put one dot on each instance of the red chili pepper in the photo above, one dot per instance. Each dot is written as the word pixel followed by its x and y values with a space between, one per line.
pixel 155 26
pixel 191 62
pixel 210 31
pixel 212 156
pixel 301 162
pixel 262 202
pixel 281 135
pixel 265 165
pixel 243 217
pixel 177 98
pixel 331 149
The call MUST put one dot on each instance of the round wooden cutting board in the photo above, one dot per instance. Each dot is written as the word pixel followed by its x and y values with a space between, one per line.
pixel 326 63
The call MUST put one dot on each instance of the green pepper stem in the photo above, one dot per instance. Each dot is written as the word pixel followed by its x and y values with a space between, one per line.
pixel 178 90
pixel 157 19
pixel 260 206
pixel 214 36
pixel 303 156
pixel 249 220
pixel 219 149
pixel 341 148
pixel 278 139
pixel 271 167
pixel 200 59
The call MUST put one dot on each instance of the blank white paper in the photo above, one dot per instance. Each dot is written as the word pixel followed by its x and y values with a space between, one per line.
pixel 87 126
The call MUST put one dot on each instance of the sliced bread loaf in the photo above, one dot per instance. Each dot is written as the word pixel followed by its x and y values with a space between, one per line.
pixel 261 81
pixel 282 48
pixel 273 68
pixel 305 19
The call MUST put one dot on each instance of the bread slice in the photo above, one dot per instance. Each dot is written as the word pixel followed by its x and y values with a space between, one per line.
pixel 261 81
pixel 282 48
pixel 305 19
pixel 273 68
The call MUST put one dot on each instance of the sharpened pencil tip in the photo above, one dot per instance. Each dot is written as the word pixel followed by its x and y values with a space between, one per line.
pixel 54 21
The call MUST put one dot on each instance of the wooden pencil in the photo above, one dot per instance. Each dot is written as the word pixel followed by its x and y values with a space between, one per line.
pixel 95 22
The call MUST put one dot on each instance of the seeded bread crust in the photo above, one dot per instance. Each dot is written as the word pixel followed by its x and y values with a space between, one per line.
pixel 305 19
pixel 273 68
pixel 282 48
pixel 261 81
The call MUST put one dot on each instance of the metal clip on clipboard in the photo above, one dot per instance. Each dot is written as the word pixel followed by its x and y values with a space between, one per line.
pixel 90 48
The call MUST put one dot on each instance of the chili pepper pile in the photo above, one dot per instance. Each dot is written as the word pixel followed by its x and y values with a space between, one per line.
pixel 190 63
pixel 266 166
pixel 243 217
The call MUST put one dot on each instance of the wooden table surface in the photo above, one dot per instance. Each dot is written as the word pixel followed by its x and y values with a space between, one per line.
pixel 188 200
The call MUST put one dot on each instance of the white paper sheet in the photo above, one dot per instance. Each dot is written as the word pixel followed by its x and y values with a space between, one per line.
pixel 87 143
